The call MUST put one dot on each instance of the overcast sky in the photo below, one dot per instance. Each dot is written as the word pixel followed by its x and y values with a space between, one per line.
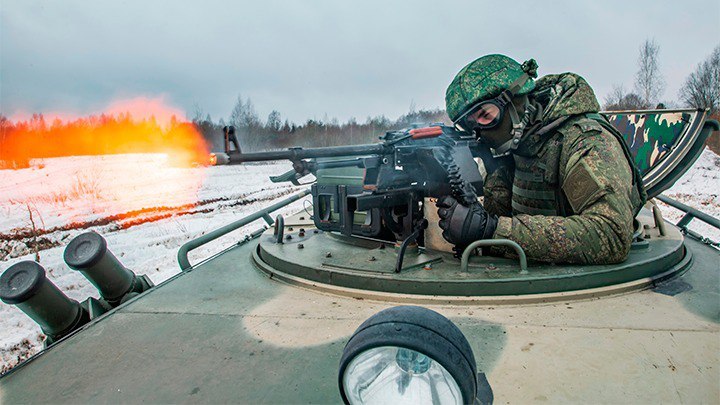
pixel 309 59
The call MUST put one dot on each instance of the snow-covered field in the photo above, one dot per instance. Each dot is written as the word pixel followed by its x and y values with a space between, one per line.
pixel 146 209
pixel 143 206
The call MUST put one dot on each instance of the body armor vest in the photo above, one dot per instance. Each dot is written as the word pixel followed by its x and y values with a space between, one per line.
pixel 536 189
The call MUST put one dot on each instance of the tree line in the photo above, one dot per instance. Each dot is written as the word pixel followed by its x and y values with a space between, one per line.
pixel 254 134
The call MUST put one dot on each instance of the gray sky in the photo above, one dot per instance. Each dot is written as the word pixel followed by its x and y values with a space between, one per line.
pixel 308 59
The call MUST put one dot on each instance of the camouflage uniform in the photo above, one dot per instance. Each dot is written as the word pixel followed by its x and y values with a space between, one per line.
pixel 567 194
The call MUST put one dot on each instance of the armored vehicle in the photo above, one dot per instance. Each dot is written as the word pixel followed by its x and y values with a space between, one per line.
pixel 353 300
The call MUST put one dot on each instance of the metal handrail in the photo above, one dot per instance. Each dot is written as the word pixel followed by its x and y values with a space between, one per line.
pixel 690 213
pixel 494 242
pixel 185 249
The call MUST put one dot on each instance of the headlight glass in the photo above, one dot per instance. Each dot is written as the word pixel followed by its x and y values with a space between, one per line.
pixel 393 375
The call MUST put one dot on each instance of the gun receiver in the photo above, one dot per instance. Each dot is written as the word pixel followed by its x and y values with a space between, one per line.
pixel 384 184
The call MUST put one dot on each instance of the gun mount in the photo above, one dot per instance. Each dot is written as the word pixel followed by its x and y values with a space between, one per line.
pixel 397 175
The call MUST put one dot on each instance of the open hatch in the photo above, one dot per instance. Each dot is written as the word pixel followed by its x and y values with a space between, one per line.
pixel 665 143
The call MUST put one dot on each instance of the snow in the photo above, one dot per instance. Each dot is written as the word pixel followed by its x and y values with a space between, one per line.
pixel 146 209
pixel 699 188
pixel 143 206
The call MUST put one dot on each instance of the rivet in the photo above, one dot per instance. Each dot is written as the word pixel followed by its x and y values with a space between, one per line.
pixel 301 246
pixel 328 254
pixel 372 258
pixel 288 237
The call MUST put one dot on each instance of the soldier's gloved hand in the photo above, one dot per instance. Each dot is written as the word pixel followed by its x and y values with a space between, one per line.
pixel 463 225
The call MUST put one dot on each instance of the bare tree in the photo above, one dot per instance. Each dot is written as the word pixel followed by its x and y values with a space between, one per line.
pixel 618 100
pixel 236 116
pixel 702 88
pixel 612 99
pixel 274 121
pixel 649 83
pixel 197 113
pixel 249 117
pixel 246 122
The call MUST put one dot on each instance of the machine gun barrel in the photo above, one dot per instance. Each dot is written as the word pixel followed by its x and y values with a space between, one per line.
pixel 381 187
pixel 296 154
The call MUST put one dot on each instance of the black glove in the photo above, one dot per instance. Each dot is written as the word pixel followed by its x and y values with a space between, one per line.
pixel 463 225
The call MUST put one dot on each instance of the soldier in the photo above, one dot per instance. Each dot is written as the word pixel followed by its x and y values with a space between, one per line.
pixel 566 188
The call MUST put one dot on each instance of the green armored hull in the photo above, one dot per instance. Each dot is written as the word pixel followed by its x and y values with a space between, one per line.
pixel 268 320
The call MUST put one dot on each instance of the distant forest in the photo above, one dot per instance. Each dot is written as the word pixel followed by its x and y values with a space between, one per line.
pixel 255 134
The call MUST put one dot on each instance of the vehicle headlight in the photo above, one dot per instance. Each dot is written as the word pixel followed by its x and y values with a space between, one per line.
pixel 408 354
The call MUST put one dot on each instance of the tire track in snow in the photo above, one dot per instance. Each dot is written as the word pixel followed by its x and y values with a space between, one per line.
pixel 21 241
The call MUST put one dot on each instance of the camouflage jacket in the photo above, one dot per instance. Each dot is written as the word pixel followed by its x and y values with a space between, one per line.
pixel 566 195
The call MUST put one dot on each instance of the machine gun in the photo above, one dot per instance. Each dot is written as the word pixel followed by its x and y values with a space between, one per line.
pixel 370 189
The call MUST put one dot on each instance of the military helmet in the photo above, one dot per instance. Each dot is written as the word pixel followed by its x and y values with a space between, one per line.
pixel 485 78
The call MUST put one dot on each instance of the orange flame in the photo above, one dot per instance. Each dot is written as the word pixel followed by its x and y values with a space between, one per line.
pixel 121 184
pixel 140 125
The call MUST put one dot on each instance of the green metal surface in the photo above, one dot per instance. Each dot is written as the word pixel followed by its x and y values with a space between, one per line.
pixel 366 264
pixel 351 176
pixel 224 332
pixel 377 260
pixel 210 236
pixel 187 344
